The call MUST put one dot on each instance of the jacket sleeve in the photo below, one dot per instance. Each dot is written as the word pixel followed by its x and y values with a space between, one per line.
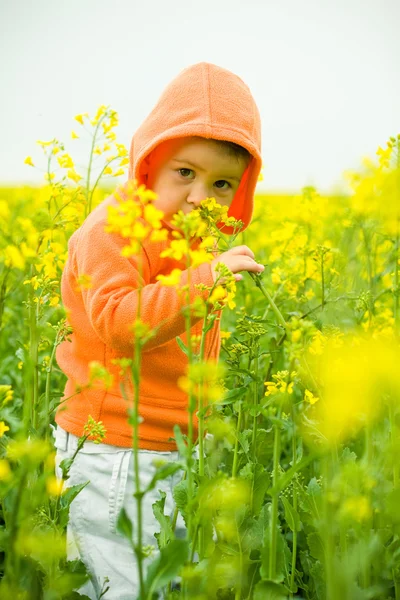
pixel 111 303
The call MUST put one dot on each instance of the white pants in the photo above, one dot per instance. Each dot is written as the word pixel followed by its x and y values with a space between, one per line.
pixel 91 532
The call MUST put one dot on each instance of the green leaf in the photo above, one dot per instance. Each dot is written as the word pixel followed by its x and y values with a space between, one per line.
pixel 65 501
pixel 316 546
pixel 182 346
pixel 162 473
pixel 252 537
pixel 65 466
pixel 124 525
pixel 166 566
pixel 73 576
pixel 180 495
pixel 392 505
pixel 260 486
pixel 348 455
pixel 313 488
pixel 233 395
pixel 291 515
pixel 283 555
pixel 166 534
pixel 269 590
pixel 180 442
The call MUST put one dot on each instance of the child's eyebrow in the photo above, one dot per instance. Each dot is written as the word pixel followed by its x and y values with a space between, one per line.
pixel 187 162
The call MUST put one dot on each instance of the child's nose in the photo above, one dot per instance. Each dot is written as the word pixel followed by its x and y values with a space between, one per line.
pixel 196 195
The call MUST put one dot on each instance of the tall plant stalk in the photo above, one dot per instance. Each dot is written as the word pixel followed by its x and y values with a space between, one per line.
pixel 294 463
pixel 33 355
pixel 275 497
pixel 136 364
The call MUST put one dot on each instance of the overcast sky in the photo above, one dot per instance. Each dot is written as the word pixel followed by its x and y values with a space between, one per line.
pixel 324 73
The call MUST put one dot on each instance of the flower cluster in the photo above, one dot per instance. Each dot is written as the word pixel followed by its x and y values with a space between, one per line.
pixel 135 217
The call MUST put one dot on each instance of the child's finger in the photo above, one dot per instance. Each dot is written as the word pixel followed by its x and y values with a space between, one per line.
pixel 242 250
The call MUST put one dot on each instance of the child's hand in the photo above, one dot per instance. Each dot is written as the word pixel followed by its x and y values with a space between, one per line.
pixel 237 259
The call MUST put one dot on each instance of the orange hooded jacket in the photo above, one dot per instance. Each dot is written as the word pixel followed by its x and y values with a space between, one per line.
pixel 203 100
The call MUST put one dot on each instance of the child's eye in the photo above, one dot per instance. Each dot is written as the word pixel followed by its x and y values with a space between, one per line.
pixel 220 187
pixel 185 172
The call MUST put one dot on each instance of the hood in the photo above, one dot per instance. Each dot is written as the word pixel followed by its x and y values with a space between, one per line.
pixel 211 102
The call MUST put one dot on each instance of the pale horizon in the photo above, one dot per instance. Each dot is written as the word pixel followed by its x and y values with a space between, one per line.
pixel 325 77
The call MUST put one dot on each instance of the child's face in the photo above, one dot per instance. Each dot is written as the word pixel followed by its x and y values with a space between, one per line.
pixel 185 171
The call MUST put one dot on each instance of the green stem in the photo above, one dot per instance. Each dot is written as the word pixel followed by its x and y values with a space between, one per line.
pixel 46 412
pixel 3 290
pixel 394 438
pixel 327 531
pixel 33 355
pixel 368 252
pixel 138 494
pixel 294 462
pixel 275 309
pixel 396 288
pixel 12 562
pixel 191 410
pixel 255 405
pixel 238 591
pixel 201 400
pixel 98 179
pixel 274 507
pixel 201 416
pixel 89 199
pixel 235 454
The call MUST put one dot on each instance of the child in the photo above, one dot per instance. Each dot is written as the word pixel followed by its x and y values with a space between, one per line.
pixel 201 140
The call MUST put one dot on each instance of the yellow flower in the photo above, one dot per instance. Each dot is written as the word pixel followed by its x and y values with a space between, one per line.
pixel 3 428
pixel 14 258
pixel 357 508
pixel 225 335
pixel 41 143
pixel 178 249
pixel 280 384
pixel 199 257
pixel 5 471
pixel 54 301
pixel 99 375
pixel 217 294
pixel 28 161
pixel 65 161
pixel 159 235
pixel 74 136
pixel 119 172
pixel 124 161
pixel 80 117
pixel 100 112
pixel 49 176
pixel 6 393
pixel 54 486
pixel 153 216
pixel 122 151
pixel 309 397
pixel 107 171
pixel 83 282
pixel 72 174
pixel 276 275
pixel 358 376
pixel 171 280
pixel 140 231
